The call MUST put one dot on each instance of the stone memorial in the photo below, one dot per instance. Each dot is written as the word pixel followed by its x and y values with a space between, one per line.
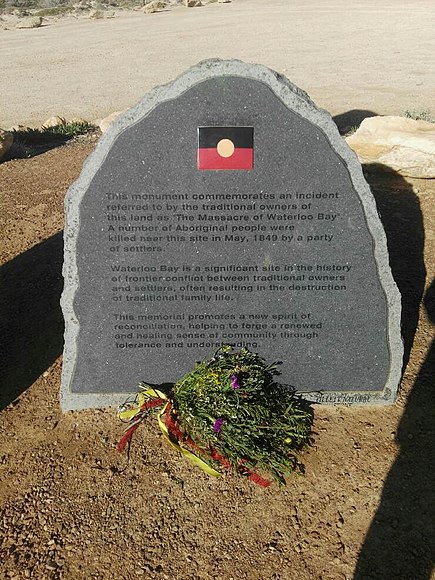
pixel 226 208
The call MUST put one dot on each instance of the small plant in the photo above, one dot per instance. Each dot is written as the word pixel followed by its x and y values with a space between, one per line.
pixel 29 142
pixel 352 130
pixel 70 129
pixel 419 115
pixel 63 132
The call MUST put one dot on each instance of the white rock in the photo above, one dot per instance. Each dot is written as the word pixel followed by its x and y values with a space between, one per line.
pixel 6 140
pixel 53 122
pixel 96 14
pixel 403 145
pixel 30 22
pixel 153 6
pixel 105 123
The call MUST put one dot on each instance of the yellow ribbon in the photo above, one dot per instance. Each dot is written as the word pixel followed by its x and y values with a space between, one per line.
pixel 191 456
pixel 130 410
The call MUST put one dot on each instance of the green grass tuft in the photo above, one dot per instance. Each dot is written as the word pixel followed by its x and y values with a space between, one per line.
pixel 71 129
pixel 352 130
pixel 29 142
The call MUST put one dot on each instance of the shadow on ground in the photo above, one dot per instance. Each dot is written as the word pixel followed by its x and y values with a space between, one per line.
pixel 400 213
pixel 400 543
pixel 351 120
pixel 31 318
pixel 31 142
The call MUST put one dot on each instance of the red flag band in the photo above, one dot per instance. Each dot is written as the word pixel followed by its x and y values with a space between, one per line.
pixel 226 148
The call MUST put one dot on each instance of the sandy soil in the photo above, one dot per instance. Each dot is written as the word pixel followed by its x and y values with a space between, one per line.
pixel 374 55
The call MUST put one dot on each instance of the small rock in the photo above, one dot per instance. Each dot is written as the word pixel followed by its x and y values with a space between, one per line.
pixel 30 22
pixel 224 1
pixel 105 123
pixel 153 6
pixel 6 140
pixel 398 143
pixel 193 3
pixel 51 565
pixel 96 14
pixel 53 122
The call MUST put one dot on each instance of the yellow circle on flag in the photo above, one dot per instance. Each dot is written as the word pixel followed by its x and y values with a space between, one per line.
pixel 225 147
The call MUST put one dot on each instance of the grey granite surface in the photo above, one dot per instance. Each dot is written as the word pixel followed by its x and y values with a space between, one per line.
pixel 163 262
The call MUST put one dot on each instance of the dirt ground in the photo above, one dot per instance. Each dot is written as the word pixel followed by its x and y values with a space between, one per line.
pixel 70 506
pixel 373 55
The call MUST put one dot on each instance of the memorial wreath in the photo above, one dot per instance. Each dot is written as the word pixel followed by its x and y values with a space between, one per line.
pixel 228 413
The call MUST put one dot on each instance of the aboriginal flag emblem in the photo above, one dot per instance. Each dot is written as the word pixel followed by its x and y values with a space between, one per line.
pixel 225 148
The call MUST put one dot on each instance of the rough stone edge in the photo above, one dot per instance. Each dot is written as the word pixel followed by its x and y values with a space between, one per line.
pixel 293 98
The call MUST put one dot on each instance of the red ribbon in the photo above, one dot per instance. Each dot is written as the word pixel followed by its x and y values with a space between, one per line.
pixel 126 438
pixel 176 432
